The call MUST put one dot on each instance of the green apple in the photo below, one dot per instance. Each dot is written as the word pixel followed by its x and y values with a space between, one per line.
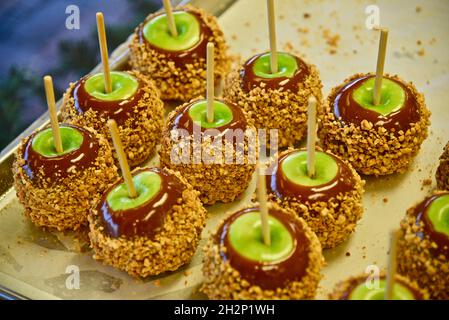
pixel 287 66
pixel 157 33
pixel 438 214
pixel 43 142
pixel 222 114
pixel 362 292
pixel 147 185
pixel 294 167
pixel 124 86
pixel 392 97
pixel 245 236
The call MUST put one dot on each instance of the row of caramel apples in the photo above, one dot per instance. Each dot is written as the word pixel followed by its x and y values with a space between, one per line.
pixel 157 227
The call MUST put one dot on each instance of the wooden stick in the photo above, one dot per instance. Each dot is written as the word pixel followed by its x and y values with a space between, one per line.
pixel 170 18
pixel 262 197
pixel 380 66
pixel 104 52
pixel 311 136
pixel 210 82
pixel 124 166
pixel 272 34
pixel 50 94
pixel 392 264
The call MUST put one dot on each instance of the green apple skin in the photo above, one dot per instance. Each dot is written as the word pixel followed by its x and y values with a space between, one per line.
pixel 362 292
pixel 287 66
pixel 438 214
pixel 245 236
pixel 392 96
pixel 124 86
pixel 147 185
pixel 43 142
pixel 157 32
pixel 222 114
pixel 294 168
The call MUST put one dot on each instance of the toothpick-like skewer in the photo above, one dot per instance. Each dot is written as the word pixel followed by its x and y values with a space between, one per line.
pixel 170 18
pixel 311 137
pixel 380 66
pixel 272 34
pixel 50 94
pixel 263 205
pixel 210 82
pixel 124 166
pixel 104 52
pixel 392 264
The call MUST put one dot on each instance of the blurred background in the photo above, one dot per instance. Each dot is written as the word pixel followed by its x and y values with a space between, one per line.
pixel 34 41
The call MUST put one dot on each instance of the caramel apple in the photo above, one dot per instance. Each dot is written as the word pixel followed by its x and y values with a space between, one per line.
pixel 363 288
pixel 177 63
pixel 375 121
pixel 219 173
pixel 275 100
pixel 330 201
pixel 239 265
pixel 134 103
pixel 423 249
pixel 58 188
pixel 156 231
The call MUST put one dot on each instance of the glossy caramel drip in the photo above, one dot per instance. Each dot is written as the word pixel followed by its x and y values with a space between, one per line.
pixel 346 108
pixel 250 80
pixel 40 168
pixel 270 275
pixel 119 110
pixel 439 238
pixel 281 186
pixel 181 57
pixel 145 220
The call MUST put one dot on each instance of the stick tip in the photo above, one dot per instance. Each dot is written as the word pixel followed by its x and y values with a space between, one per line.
pixel 312 100
pixel 111 122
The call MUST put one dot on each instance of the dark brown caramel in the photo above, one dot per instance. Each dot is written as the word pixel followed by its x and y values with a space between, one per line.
pixel 183 57
pixel 147 219
pixel 183 120
pixel 281 186
pixel 346 108
pixel 250 80
pixel 357 281
pixel 268 275
pixel 441 240
pixel 119 110
pixel 49 169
